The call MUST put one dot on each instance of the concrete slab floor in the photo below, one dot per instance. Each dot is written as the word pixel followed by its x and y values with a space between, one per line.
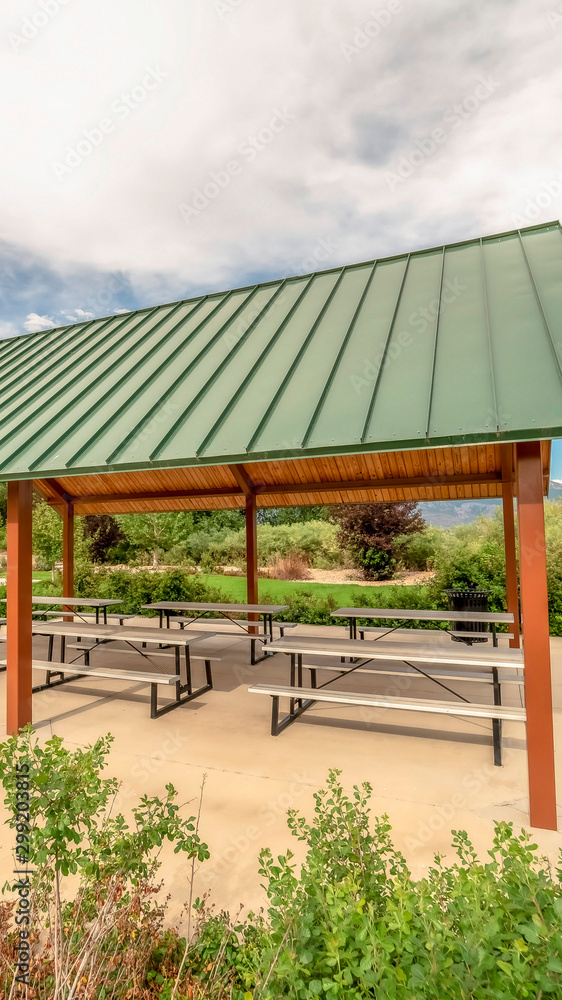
pixel 429 773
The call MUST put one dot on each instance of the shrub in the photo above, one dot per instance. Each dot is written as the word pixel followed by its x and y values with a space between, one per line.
pixel 198 543
pixel 312 608
pixel 354 923
pixel 144 587
pixel 289 567
pixel 350 922
pixel 310 540
pixel 370 532
pixel 70 833
pixel 472 556
pixel 419 551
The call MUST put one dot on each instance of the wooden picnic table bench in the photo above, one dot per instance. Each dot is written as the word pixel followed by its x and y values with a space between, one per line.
pixel 112 616
pixel 309 696
pixel 100 604
pixel 409 614
pixel 223 623
pixel 423 659
pixel 266 611
pixel 381 630
pixel 102 634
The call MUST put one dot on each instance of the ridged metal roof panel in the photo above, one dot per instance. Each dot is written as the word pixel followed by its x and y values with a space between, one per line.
pixel 456 344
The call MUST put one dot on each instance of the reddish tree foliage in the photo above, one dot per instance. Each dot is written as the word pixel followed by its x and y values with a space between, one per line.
pixel 368 531
pixel 104 534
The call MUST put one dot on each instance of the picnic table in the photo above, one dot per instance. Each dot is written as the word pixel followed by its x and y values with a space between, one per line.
pixel 245 628
pixel 101 635
pixel 405 614
pixel 98 603
pixel 427 660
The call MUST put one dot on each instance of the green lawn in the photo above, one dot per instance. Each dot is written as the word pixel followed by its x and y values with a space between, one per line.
pixel 346 594
pixel 38 574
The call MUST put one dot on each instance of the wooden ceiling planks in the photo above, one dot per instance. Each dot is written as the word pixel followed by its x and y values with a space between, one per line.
pixel 464 472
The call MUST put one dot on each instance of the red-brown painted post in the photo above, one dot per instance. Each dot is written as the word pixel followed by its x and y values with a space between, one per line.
pixel 19 577
pixel 536 645
pixel 68 552
pixel 511 581
pixel 251 554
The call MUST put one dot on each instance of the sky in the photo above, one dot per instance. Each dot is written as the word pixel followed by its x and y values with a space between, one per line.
pixel 157 150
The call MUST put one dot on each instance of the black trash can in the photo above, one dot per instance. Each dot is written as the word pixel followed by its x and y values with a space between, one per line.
pixel 469 600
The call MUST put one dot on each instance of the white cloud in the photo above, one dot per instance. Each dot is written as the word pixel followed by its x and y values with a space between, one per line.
pixel 77 316
pixel 320 177
pixel 34 323
pixel 118 312
pixel 7 329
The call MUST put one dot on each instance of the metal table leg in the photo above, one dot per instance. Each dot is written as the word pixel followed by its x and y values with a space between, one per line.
pixel 184 692
pixel 497 723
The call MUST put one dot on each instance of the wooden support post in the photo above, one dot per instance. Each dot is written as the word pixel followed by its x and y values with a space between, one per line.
pixel 511 582
pixel 68 553
pixel 19 575
pixel 534 609
pixel 251 554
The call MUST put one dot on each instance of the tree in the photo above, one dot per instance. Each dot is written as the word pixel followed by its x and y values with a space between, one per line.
pixel 155 533
pixel 209 521
pixel 47 534
pixel 3 502
pixel 47 538
pixel 103 533
pixel 369 532
pixel 292 515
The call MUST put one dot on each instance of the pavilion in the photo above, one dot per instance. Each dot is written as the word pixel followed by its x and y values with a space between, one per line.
pixel 431 375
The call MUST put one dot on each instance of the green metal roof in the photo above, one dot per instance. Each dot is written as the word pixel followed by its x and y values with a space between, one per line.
pixel 453 345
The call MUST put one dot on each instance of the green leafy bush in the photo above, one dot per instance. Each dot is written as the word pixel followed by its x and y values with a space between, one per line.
pixel 143 587
pixel 310 540
pixel 354 923
pixel 91 909
pixel 311 609
pixel 350 923
pixel 472 555
pixel 419 551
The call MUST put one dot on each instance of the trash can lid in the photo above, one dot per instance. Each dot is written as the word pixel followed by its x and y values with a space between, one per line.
pixel 468 591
